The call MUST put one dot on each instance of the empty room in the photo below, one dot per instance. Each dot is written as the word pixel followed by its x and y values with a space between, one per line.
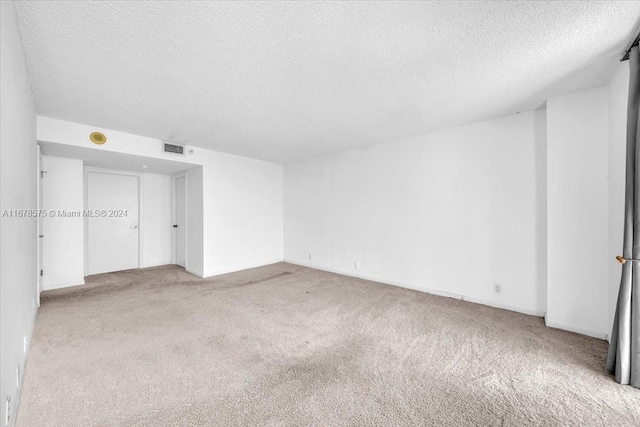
pixel 328 213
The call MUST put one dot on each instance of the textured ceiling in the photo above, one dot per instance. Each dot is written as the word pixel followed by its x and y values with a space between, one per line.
pixel 289 80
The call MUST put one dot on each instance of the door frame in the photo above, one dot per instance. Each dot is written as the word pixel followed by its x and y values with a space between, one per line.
pixel 39 226
pixel 174 182
pixel 140 176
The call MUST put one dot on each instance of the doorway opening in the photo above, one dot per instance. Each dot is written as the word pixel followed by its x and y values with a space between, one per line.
pixel 111 212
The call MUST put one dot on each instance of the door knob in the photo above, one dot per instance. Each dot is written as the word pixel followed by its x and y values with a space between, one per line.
pixel 175 225
pixel 134 227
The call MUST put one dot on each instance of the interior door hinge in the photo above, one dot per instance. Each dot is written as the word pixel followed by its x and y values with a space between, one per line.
pixel 41 273
pixel 42 174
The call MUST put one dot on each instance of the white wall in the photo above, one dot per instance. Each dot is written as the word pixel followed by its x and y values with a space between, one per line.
pixel 63 242
pixel 156 220
pixel 577 196
pixel 243 205
pixel 453 212
pixel 194 262
pixel 18 236
pixel 618 92
pixel 241 214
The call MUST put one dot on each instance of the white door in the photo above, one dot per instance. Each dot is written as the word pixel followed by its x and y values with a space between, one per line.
pixel 112 236
pixel 180 224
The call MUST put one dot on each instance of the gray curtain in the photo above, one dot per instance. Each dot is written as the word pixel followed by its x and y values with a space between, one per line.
pixel 623 359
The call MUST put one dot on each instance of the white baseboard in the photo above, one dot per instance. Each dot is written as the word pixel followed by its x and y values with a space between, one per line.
pixel 63 285
pixel 537 313
pixel 581 331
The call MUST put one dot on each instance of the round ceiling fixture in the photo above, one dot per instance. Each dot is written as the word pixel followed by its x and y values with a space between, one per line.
pixel 98 138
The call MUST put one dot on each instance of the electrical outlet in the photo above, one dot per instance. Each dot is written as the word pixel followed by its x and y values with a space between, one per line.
pixel 309 255
pixel 25 343
pixel 497 289
pixel 7 411
pixel 356 265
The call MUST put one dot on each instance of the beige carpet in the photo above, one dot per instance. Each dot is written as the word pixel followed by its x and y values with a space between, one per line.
pixel 286 345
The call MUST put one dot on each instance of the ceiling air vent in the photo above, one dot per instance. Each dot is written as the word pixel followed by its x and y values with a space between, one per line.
pixel 173 148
